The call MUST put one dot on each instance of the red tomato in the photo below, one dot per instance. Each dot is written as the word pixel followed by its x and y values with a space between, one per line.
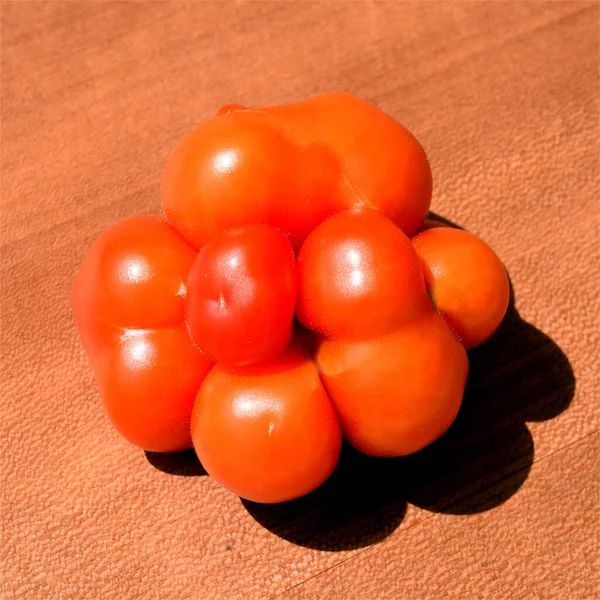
pixel 358 275
pixel 267 432
pixel 466 280
pixel 241 295
pixel 149 385
pixel 396 393
pixel 293 166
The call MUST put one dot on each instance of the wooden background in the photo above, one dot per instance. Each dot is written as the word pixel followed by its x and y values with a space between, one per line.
pixel 504 97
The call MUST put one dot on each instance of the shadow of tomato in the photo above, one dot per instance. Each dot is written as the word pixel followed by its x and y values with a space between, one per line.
pixel 184 463
pixel 518 375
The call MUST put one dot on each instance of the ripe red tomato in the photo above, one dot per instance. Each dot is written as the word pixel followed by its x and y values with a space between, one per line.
pixel 242 294
pixel 466 280
pixel 396 393
pixel 358 275
pixel 267 432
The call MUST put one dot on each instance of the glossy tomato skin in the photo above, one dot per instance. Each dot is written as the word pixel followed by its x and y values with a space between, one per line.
pixel 136 275
pixel 466 280
pixel 381 164
pixel 239 169
pixel 229 108
pixel 129 303
pixel 242 295
pixel 267 432
pixel 292 166
pixel 149 384
pixel 396 393
pixel 358 276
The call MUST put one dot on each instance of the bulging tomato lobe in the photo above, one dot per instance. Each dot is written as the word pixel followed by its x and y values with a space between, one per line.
pixel 268 431
pixel 241 295
pixel 466 280
pixel 358 276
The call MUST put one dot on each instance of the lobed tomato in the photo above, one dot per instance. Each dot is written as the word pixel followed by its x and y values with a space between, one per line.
pixel 337 181
pixel 241 295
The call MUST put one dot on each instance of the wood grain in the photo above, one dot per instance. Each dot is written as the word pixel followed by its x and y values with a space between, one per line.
pixel 505 97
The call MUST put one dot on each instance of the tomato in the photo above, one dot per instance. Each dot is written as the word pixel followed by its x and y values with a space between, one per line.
pixel 188 320
pixel 358 275
pixel 466 281
pixel 396 393
pixel 242 294
pixel 149 385
pixel 267 432
pixel 293 166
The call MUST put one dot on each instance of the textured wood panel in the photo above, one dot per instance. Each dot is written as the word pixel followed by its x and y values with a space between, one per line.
pixel 505 98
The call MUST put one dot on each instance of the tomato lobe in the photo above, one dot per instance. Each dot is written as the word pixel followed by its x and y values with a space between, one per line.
pixel 241 295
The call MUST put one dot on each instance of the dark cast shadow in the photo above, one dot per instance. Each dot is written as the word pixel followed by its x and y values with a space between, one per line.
pixel 184 463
